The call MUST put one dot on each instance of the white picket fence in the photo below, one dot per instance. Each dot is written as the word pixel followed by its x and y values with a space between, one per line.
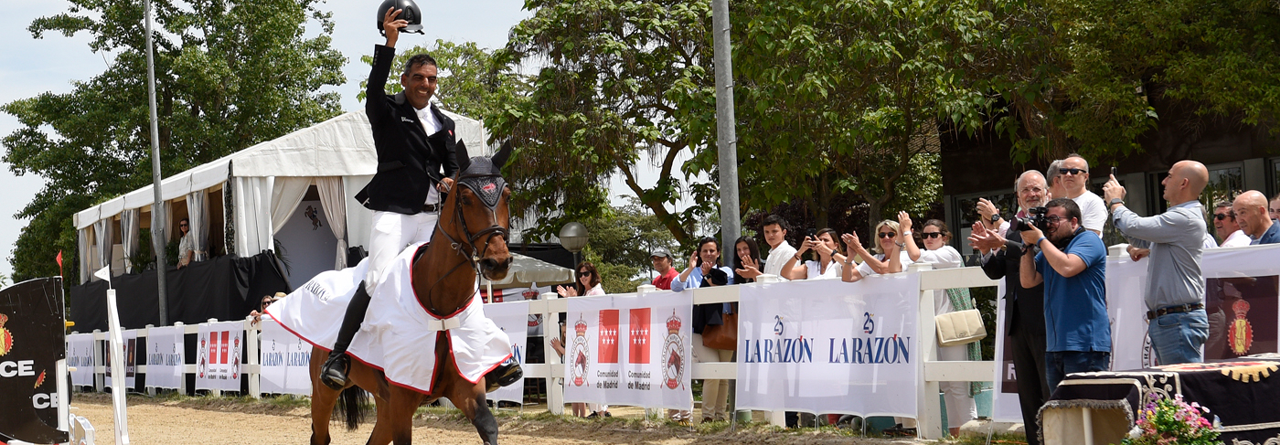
pixel 549 305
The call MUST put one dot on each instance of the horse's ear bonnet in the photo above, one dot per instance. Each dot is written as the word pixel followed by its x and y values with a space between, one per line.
pixel 483 175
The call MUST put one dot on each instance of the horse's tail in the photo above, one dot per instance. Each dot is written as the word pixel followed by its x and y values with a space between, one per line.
pixel 353 406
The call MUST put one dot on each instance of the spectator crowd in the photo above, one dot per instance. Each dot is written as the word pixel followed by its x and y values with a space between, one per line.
pixel 1050 252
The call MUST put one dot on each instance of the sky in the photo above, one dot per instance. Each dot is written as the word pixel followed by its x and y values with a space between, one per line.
pixel 29 67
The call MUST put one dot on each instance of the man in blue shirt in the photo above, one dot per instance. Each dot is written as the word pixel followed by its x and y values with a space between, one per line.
pixel 1072 265
pixel 1251 212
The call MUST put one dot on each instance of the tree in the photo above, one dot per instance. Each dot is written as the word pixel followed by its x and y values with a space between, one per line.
pixel 1106 78
pixel 621 241
pixel 842 96
pixel 472 83
pixel 620 80
pixel 229 74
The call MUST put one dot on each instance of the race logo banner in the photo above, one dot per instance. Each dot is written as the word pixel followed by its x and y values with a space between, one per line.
pixel 285 360
pixel 166 356
pixel 512 318
pixel 80 357
pixel 130 342
pixel 830 347
pixel 218 355
pixel 630 350
pixel 31 328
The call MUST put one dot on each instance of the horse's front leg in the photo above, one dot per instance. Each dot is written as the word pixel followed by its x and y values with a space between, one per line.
pixel 470 399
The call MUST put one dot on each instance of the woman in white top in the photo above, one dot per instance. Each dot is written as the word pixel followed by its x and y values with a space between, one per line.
pixel 588 285
pixel 889 257
pixel 826 267
pixel 958 395
pixel 186 244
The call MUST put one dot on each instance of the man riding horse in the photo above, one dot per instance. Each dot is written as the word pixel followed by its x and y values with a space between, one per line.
pixel 414 141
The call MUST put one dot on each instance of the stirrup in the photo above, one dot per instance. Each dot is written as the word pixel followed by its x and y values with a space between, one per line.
pixel 334 372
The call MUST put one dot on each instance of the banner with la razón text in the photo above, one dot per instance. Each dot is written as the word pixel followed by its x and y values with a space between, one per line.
pixel 830 347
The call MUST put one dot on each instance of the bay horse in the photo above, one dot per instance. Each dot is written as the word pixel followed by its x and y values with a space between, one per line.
pixel 471 231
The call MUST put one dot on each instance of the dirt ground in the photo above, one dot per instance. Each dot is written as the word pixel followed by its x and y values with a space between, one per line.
pixel 206 420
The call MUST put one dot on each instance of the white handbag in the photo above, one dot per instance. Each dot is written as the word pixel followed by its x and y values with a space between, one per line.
pixel 960 328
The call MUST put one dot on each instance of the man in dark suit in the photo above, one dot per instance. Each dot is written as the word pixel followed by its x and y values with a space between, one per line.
pixel 1024 308
pixel 415 141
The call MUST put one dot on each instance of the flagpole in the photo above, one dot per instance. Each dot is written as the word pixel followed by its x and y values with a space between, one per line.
pixel 157 220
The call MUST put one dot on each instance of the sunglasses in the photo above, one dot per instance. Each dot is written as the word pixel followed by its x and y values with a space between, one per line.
pixel 182 225
pixel 927 235
pixel 584 273
pixel 1220 216
pixel 887 234
pixel 1072 171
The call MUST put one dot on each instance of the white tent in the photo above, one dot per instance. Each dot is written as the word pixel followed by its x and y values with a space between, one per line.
pixel 262 187
pixel 525 271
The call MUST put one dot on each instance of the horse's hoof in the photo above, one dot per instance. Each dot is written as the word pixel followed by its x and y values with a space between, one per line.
pixel 334 372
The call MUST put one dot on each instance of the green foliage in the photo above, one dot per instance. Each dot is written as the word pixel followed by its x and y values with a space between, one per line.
pixel 471 82
pixel 619 80
pixel 621 241
pixel 229 74
pixel 1090 75
pixel 842 97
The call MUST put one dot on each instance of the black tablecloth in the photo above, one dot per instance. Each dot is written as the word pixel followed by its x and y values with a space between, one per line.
pixel 1243 394
pixel 223 288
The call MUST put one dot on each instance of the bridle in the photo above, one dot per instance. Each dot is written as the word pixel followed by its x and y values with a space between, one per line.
pixel 490 193
pixel 489 188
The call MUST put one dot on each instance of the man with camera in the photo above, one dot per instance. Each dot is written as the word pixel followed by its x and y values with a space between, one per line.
pixel 1177 322
pixel 1024 307
pixel 1072 266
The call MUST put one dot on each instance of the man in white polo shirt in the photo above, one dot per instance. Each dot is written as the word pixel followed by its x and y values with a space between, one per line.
pixel 1074 175
pixel 775 234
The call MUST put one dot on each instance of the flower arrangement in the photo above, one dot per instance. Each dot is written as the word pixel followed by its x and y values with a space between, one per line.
pixel 1165 421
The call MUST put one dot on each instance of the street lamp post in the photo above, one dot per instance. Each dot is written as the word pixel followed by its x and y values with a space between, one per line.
pixel 573 237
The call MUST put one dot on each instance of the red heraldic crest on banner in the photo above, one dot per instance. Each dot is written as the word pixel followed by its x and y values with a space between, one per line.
pixel 608 336
pixel 638 351
pixel 6 339
pixel 1240 336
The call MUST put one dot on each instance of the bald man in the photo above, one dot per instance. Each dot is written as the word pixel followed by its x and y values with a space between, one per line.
pixel 1178 324
pixel 1251 213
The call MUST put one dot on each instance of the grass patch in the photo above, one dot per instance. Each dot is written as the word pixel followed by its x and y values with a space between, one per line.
pixel 998 438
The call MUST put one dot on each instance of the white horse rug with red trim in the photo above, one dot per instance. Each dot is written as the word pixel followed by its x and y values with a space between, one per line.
pixel 398 335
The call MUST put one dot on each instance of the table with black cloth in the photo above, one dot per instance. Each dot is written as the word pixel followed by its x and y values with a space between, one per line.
pixel 1243 394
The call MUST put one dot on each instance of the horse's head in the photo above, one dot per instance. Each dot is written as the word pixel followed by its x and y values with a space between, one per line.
pixel 477 208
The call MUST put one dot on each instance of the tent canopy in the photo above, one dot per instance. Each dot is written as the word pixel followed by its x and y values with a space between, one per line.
pixel 342 146
pixel 262 186
pixel 527 270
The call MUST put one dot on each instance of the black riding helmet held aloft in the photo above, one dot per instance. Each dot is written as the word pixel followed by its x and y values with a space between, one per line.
pixel 408 12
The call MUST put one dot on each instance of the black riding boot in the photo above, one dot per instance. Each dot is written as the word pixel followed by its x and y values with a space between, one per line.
pixel 334 372
pixel 504 375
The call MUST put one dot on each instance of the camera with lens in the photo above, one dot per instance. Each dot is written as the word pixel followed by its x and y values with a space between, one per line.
pixel 1035 218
